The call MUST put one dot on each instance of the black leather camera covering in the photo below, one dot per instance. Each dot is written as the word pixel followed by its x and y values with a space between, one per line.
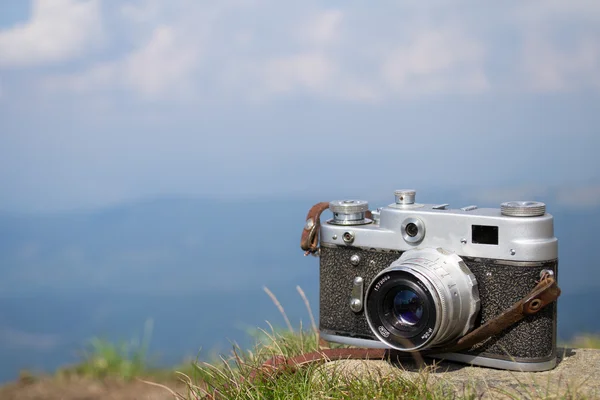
pixel 501 284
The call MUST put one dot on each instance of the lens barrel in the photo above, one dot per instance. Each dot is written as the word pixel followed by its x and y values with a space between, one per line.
pixel 425 298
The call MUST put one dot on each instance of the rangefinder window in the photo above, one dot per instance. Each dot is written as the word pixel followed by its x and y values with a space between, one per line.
pixel 484 234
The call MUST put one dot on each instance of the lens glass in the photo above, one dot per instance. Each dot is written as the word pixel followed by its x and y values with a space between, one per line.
pixel 408 307
pixel 403 307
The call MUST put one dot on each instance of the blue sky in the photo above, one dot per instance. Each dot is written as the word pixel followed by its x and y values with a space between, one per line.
pixel 103 102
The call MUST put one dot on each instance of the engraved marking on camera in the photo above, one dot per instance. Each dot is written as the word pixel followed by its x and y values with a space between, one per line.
pixel 422 286
pixel 427 333
pixel 381 282
pixel 384 332
pixel 355 259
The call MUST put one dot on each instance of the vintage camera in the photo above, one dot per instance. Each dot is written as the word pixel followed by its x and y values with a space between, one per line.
pixel 413 277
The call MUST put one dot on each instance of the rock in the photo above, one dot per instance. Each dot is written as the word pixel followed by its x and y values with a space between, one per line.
pixel 576 375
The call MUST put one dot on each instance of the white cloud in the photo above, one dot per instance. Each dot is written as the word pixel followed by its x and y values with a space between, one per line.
pixel 148 11
pixel 551 11
pixel 235 49
pixel 560 48
pixel 322 29
pixel 436 60
pixel 163 64
pixel 312 71
pixel 57 31
pixel 549 67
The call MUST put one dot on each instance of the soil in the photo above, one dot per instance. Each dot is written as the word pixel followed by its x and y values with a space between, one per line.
pixel 75 388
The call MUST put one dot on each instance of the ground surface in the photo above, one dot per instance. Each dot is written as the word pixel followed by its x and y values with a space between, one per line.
pixel 86 389
pixel 577 376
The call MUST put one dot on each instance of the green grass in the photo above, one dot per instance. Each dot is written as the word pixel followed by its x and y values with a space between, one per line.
pixel 105 359
pixel 231 377
pixel 587 341
pixel 102 358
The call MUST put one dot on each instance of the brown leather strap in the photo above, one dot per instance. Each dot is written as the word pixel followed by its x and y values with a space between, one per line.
pixel 310 234
pixel 544 293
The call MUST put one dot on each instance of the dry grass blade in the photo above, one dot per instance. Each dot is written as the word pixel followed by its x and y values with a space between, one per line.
pixel 176 395
pixel 307 304
pixel 280 307
pixel 274 341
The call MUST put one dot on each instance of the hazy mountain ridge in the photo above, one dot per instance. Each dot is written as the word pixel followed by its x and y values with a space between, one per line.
pixel 159 246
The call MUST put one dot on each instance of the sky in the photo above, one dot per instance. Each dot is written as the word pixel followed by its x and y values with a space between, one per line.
pixel 111 101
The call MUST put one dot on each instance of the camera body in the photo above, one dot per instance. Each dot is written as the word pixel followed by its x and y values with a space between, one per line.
pixel 415 277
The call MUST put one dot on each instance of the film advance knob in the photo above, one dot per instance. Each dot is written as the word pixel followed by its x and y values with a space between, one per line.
pixel 523 208
pixel 349 212
pixel 349 206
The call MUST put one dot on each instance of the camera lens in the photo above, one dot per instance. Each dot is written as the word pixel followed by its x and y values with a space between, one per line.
pixel 408 307
pixel 412 230
pixel 404 307
pixel 425 298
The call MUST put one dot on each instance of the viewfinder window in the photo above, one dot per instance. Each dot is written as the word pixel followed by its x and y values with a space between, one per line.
pixel 484 234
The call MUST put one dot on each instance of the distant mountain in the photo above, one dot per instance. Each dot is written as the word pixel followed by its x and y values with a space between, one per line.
pixel 164 246
pixel 197 268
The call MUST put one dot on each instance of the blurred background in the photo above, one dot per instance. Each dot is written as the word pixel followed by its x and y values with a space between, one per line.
pixel 157 159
